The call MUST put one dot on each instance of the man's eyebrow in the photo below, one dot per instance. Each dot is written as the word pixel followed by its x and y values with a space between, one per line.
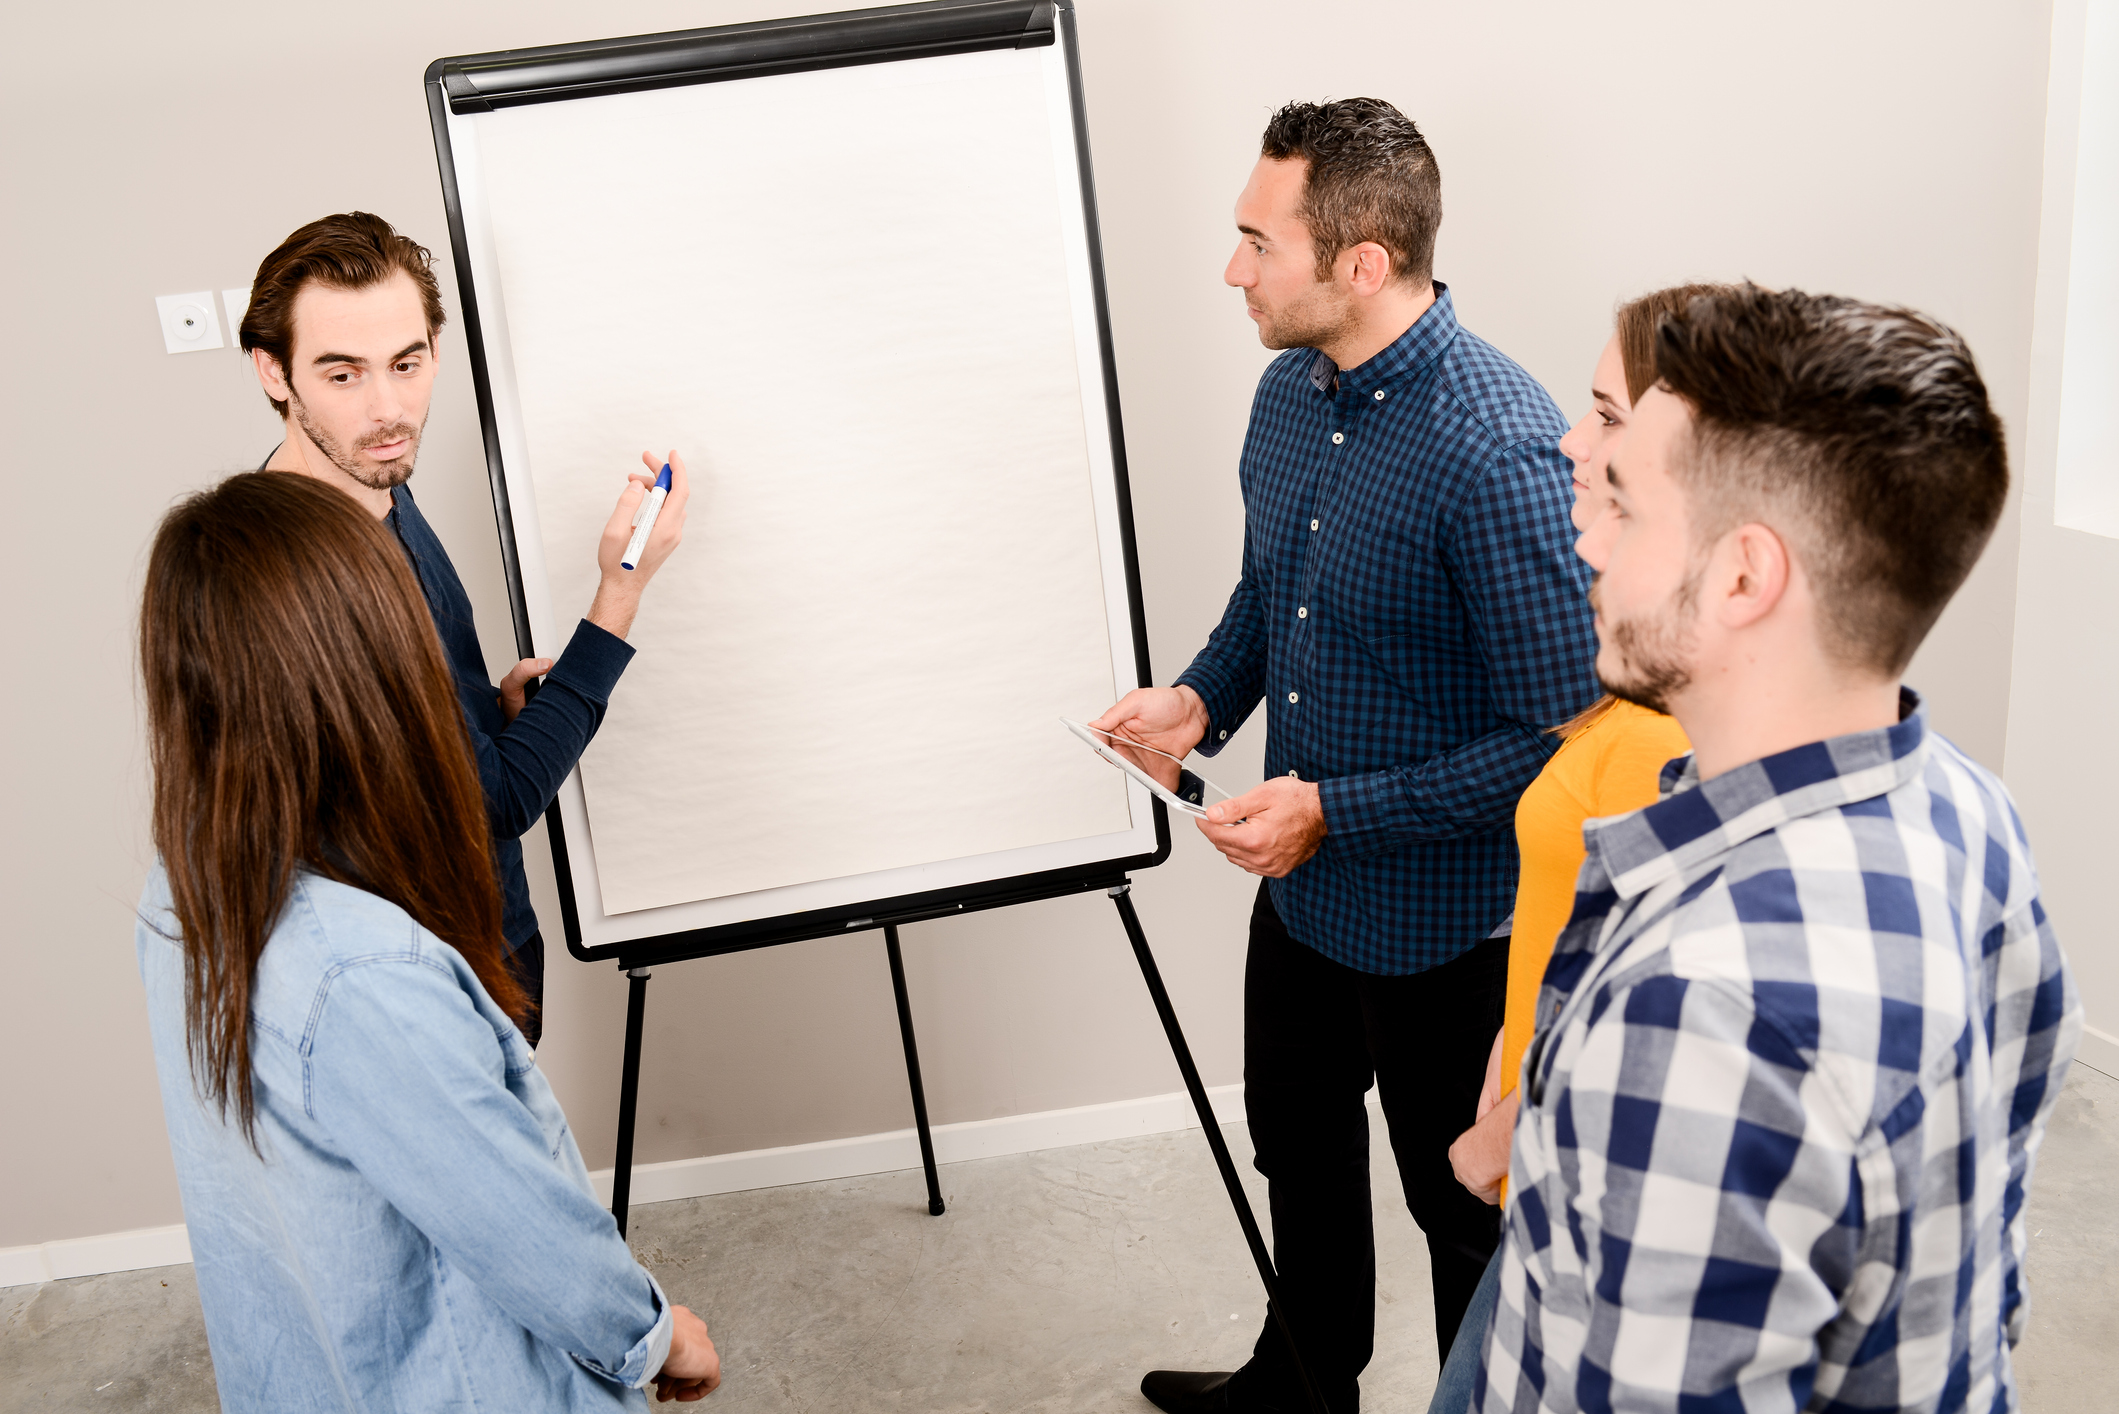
pixel 416 346
pixel 1252 231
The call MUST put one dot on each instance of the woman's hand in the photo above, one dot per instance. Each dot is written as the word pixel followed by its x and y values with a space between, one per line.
pixel 1480 1156
pixel 693 1369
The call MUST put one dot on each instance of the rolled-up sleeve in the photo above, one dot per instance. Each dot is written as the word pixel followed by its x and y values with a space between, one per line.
pixel 409 1079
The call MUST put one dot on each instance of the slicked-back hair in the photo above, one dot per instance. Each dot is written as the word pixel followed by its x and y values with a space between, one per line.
pixel 300 715
pixel 1371 177
pixel 351 251
pixel 1861 432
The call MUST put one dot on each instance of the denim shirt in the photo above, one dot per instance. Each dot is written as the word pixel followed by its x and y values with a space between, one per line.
pixel 420 1232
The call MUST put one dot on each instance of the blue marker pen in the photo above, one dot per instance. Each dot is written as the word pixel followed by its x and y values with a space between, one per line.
pixel 644 519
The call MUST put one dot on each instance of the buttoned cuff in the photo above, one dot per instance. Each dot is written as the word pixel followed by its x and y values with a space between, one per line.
pixel 1358 813
pixel 1224 713
pixel 592 663
pixel 645 1360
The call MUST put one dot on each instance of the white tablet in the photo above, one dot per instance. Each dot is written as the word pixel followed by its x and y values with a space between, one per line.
pixel 1113 748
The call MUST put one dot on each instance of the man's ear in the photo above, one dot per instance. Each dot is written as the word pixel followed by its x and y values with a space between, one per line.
pixel 1368 266
pixel 271 376
pixel 1750 575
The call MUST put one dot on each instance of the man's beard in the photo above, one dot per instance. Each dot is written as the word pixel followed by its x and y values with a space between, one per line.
pixel 1654 651
pixel 376 476
pixel 1311 321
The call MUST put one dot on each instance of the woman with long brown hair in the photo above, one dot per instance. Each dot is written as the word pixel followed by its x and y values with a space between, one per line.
pixel 385 1205
pixel 1610 761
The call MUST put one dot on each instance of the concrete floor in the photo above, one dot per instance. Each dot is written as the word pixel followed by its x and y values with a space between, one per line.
pixel 1054 1280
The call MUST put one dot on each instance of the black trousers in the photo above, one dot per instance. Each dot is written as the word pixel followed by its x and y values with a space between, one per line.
pixel 527 964
pixel 1316 1033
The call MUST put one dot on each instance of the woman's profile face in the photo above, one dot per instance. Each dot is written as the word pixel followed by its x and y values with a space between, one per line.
pixel 1589 442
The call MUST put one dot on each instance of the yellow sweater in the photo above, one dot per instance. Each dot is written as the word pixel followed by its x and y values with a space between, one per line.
pixel 1612 767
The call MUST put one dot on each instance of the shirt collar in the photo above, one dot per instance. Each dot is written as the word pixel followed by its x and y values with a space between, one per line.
pixel 1697 820
pixel 1409 352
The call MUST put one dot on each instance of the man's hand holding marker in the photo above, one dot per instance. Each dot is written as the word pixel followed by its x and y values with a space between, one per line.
pixel 644 520
pixel 628 567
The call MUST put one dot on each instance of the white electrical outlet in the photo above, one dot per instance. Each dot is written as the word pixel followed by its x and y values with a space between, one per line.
pixel 188 324
pixel 237 303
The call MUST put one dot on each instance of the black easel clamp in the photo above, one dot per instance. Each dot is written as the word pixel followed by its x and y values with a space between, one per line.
pixel 1121 895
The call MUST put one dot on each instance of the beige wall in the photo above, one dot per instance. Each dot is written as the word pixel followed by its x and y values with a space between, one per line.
pixel 2066 671
pixel 1588 153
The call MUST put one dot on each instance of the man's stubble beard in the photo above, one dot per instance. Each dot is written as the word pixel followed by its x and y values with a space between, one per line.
pixel 375 476
pixel 1308 322
pixel 1655 651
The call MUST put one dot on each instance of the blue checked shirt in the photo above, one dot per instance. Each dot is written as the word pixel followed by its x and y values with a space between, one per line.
pixel 1796 1051
pixel 1414 615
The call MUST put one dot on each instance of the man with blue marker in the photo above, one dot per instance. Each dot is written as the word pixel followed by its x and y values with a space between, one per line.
pixel 1413 615
pixel 342 329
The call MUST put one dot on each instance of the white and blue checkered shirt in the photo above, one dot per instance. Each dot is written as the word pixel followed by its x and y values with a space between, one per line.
pixel 1795 1054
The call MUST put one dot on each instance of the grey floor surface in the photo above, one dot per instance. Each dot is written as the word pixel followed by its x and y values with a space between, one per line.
pixel 1054 1280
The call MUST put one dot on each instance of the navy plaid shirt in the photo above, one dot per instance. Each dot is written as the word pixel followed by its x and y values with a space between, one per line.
pixel 1795 1054
pixel 1414 614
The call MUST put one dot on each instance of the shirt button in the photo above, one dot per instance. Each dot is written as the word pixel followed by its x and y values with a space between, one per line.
pixel 1224 736
pixel 1294 697
pixel 1302 613
pixel 1379 395
pixel 1313 525
pixel 1296 774
pixel 1337 438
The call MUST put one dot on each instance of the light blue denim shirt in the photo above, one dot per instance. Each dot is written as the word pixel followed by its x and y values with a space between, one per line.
pixel 420 1233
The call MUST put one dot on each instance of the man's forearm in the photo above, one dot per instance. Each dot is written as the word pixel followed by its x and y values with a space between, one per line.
pixel 614 607
pixel 1465 791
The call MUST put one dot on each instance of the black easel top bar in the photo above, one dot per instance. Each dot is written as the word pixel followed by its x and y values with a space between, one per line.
pixel 509 78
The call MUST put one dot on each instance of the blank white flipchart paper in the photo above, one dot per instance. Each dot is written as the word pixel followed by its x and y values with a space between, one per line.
pixel 847 298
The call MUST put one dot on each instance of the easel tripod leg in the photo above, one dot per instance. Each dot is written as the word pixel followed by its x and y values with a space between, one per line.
pixel 1122 896
pixel 935 1205
pixel 628 1095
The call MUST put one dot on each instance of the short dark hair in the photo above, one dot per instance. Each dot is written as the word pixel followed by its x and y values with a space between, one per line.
pixel 1371 177
pixel 350 251
pixel 1867 427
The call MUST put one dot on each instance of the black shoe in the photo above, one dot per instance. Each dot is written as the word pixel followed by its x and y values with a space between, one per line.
pixel 1187 1391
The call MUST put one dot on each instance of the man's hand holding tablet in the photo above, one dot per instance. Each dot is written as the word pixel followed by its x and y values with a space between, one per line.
pixel 1266 831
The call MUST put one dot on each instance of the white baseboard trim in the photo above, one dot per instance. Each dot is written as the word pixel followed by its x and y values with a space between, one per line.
pixel 718 1173
pixel 900 1148
pixel 91 1256
pixel 2100 1051
pixel 794 1163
